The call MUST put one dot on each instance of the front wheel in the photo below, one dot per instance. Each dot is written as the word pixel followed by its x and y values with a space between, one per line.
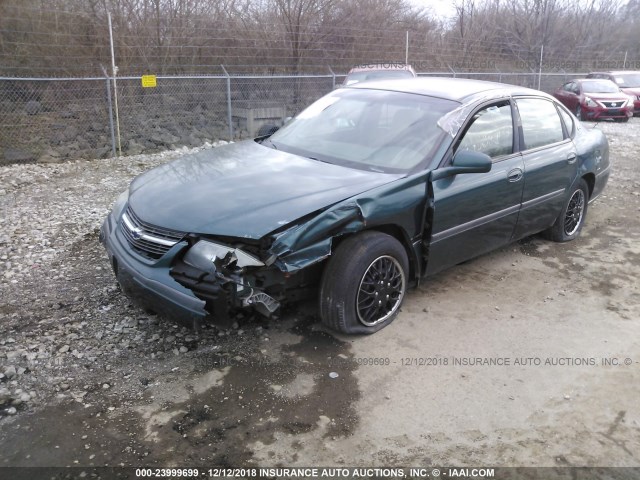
pixel 364 283
pixel 569 223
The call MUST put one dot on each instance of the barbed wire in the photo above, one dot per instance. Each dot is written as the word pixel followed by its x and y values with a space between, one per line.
pixel 54 43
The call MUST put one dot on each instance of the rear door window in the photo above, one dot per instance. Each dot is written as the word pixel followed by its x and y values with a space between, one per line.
pixel 541 124
pixel 567 120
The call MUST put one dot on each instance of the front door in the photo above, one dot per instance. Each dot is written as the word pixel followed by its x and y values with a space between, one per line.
pixel 476 212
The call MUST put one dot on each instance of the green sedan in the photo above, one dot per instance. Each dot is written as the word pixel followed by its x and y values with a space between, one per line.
pixel 364 193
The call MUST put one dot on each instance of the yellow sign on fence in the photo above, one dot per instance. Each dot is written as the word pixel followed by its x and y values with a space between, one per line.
pixel 149 81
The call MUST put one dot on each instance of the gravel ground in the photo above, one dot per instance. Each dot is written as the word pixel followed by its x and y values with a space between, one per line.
pixel 87 378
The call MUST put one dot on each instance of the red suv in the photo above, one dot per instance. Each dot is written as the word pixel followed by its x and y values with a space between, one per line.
pixel 594 99
pixel 627 80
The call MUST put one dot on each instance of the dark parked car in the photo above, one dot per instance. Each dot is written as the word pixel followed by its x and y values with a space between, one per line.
pixel 361 195
pixel 627 80
pixel 594 99
pixel 378 71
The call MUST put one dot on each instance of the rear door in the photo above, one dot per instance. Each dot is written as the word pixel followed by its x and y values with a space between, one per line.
pixel 550 163
pixel 477 212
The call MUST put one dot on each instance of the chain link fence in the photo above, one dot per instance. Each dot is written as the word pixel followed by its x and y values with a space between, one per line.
pixel 547 82
pixel 52 120
pixel 179 111
pixel 47 120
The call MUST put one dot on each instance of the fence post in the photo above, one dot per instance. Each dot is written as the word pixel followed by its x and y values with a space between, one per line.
pixel 115 87
pixel 333 79
pixel 113 135
pixel 229 113
pixel 406 50
pixel 540 69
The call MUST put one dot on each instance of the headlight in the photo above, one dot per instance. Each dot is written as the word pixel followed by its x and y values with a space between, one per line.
pixel 204 253
pixel 120 203
pixel 589 102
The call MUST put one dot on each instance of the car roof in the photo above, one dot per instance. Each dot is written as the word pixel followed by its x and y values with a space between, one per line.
pixel 616 72
pixel 581 80
pixel 381 66
pixel 459 90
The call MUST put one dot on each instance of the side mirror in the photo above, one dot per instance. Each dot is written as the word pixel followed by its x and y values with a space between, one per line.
pixel 267 130
pixel 464 161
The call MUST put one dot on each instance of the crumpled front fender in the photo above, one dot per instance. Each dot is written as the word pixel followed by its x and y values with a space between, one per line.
pixel 399 204
pixel 310 242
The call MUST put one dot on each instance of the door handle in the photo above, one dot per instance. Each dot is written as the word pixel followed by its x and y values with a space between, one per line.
pixel 515 175
pixel 571 158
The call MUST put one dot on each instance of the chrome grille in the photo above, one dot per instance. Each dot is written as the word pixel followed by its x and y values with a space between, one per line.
pixel 148 240
pixel 616 104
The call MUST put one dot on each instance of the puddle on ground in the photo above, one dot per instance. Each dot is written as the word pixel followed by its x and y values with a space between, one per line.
pixel 234 401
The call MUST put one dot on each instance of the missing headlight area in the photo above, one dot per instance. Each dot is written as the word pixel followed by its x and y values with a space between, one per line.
pixel 205 253
pixel 229 279
pixel 216 274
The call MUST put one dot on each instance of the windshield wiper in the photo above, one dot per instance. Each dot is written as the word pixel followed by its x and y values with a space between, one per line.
pixel 273 145
pixel 320 160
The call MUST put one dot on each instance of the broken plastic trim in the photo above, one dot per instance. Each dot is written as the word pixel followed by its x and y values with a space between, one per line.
pixel 223 288
pixel 263 303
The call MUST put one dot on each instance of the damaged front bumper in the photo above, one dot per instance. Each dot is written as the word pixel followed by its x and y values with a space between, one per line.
pixel 148 282
pixel 176 289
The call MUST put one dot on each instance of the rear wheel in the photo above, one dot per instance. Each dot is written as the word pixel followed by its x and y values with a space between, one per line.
pixel 364 283
pixel 569 223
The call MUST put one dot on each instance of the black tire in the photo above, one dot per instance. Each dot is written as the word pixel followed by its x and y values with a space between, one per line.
pixel 579 112
pixel 570 221
pixel 622 120
pixel 350 287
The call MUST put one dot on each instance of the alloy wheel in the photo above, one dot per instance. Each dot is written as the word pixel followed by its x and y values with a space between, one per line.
pixel 575 211
pixel 381 291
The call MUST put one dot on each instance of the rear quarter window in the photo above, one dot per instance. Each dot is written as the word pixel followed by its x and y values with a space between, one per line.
pixel 567 120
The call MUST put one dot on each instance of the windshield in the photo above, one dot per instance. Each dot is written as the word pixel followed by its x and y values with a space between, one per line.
pixel 628 80
pixel 376 75
pixel 375 130
pixel 599 86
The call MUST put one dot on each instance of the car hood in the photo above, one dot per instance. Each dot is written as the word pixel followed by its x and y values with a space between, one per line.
pixel 243 190
pixel 631 90
pixel 607 96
